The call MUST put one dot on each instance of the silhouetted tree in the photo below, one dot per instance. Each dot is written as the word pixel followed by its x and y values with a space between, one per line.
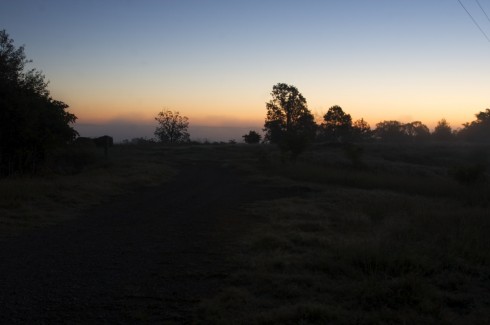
pixel 478 130
pixel 31 122
pixel 172 127
pixel 394 131
pixel 443 131
pixel 337 125
pixel 289 123
pixel 361 130
pixel 416 131
pixel 252 137
pixel 390 131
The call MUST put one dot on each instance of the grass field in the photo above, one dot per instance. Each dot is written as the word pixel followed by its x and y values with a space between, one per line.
pixel 392 237
pixel 76 179
pixel 371 234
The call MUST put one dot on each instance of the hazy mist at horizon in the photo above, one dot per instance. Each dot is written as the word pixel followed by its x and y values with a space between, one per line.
pixel 127 130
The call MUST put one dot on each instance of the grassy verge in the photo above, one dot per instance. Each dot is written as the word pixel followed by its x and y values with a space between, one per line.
pixel 374 245
pixel 386 238
pixel 54 195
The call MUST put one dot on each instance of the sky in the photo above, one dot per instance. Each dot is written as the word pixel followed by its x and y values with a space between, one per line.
pixel 117 63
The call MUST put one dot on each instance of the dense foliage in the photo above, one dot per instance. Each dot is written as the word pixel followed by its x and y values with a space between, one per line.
pixel 337 124
pixel 442 131
pixel 252 137
pixel 478 130
pixel 290 125
pixel 361 130
pixel 395 131
pixel 31 122
pixel 289 122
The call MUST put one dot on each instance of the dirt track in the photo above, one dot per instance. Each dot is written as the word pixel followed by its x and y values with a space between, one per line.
pixel 146 257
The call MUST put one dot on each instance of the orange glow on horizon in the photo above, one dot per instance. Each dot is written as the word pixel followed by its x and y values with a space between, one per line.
pixel 223 118
pixel 429 108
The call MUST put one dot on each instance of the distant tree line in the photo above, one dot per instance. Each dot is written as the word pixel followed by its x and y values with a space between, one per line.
pixel 291 126
pixel 31 121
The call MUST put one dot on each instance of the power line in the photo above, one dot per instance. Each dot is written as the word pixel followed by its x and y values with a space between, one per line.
pixel 479 5
pixel 481 30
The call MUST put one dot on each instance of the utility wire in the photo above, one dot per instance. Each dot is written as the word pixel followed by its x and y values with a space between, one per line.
pixel 479 5
pixel 481 30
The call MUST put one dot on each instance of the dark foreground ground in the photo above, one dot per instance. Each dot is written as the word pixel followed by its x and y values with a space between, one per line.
pixel 149 256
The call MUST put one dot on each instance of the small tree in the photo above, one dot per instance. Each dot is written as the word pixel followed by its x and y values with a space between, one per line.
pixel 289 123
pixel 337 124
pixel 252 137
pixel 443 131
pixel 361 130
pixel 172 127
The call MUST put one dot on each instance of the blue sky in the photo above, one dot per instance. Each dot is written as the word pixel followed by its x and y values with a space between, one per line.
pixel 216 61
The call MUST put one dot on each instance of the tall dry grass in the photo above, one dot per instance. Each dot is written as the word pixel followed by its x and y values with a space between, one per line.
pixel 396 242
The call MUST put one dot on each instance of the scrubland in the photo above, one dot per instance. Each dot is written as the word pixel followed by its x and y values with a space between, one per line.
pixel 363 234
pixel 388 235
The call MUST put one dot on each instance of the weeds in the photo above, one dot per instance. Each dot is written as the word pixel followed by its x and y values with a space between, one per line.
pixel 380 245
pixel 397 241
pixel 75 180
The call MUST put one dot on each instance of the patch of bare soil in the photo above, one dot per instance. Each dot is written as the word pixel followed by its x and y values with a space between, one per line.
pixel 145 257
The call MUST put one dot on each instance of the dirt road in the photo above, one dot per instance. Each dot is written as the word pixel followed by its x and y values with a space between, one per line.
pixel 145 257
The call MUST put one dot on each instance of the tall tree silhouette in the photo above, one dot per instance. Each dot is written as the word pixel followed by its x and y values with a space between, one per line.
pixel 31 122
pixel 289 123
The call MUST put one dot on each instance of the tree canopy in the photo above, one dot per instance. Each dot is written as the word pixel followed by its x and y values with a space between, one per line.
pixel 361 130
pixel 252 137
pixel 31 122
pixel 478 130
pixel 395 131
pixel 289 123
pixel 389 130
pixel 442 131
pixel 172 127
pixel 416 131
pixel 337 124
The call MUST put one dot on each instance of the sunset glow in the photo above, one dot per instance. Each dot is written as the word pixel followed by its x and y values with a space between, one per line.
pixel 216 61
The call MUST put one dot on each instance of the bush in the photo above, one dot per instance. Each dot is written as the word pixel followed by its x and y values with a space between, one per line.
pixel 252 137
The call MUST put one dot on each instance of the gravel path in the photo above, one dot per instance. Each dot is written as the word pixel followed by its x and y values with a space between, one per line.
pixel 145 257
